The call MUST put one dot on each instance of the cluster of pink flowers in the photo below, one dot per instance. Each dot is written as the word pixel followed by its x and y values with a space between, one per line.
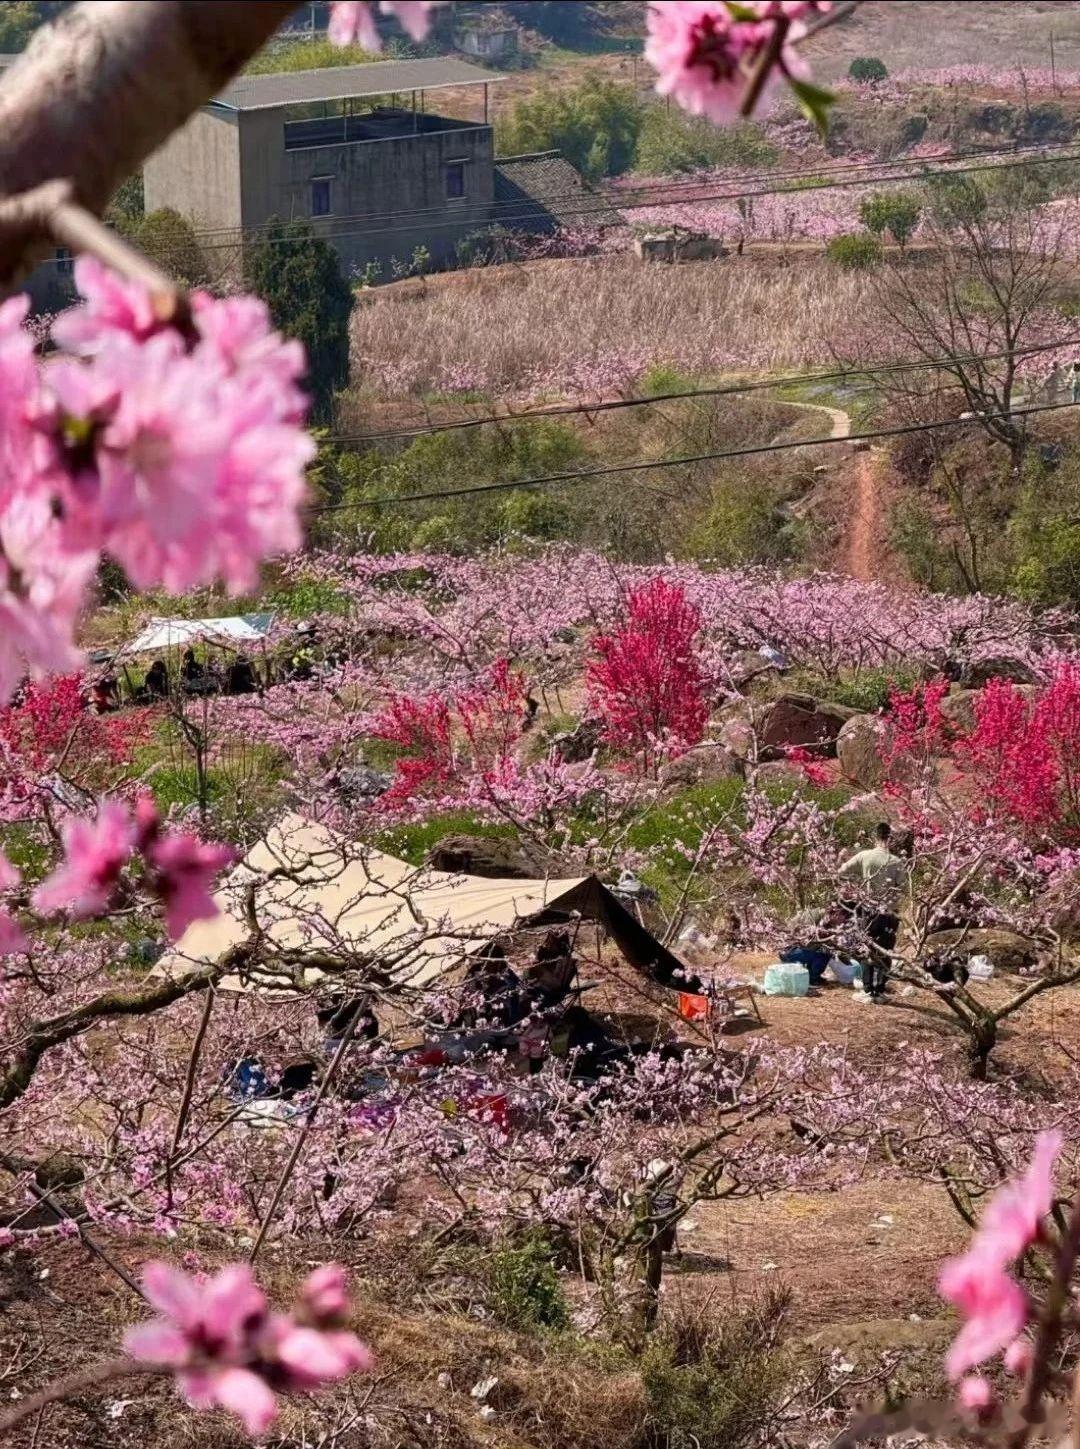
pixel 179 867
pixel 177 450
pixel 703 50
pixel 994 1306
pixel 352 21
pixel 228 1349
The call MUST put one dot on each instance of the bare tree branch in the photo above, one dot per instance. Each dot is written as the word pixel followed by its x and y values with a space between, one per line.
pixel 99 90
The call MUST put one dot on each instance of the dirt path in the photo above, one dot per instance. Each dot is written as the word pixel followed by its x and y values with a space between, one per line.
pixel 862 552
pixel 840 420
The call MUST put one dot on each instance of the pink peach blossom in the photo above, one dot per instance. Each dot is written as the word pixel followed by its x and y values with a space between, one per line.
pixel 95 852
pixel 228 1350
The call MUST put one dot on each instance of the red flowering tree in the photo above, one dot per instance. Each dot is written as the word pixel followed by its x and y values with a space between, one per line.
pixel 441 739
pixel 646 681
pixel 1023 753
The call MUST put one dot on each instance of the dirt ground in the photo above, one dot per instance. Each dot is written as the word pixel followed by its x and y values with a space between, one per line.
pixel 928 34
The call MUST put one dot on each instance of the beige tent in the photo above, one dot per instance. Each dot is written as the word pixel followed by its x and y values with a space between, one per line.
pixel 316 892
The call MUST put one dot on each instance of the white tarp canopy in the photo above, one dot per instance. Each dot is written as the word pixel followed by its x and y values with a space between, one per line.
pixel 162 634
pixel 412 923
pixel 316 892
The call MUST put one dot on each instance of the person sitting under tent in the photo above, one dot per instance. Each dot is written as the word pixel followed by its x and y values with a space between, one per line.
pixel 156 683
pixel 338 1013
pixel 499 987
pixel 192 672
pixel 549 980
pixel 240 678
pixel 105 694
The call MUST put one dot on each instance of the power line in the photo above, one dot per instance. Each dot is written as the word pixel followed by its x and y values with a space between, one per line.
pixel 484 214
pixel 556 410
pixel 670 190
pixel 583 475
pixel 599 205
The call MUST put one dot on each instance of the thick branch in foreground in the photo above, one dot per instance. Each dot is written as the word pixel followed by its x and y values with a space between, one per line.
pixel 42 1036
pixel 99 90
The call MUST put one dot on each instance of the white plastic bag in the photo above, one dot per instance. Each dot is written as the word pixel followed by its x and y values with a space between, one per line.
pixel 848 973
pixel 980 968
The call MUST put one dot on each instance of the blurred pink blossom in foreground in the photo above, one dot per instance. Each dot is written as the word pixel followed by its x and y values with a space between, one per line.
pixel 703 54
pixel 179 451
pixel 181 868
pixel 228 1349
pixel 351 21
pixel 994 1306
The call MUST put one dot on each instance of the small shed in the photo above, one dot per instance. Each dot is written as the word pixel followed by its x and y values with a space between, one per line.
pixel 541 191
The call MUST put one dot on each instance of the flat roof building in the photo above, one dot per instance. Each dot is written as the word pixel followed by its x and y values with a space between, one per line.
pixel 350 149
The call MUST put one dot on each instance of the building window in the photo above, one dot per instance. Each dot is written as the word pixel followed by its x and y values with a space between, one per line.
pixel 65 262
pixel 455 180
pixel 320 196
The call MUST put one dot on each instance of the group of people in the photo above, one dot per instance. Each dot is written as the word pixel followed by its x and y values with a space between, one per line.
pixel 875 880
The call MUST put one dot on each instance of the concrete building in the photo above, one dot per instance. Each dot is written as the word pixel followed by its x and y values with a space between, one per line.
pixel 498 43
pixel 352 150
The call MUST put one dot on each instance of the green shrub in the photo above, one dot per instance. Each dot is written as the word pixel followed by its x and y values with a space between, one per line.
pixel 671 141
pixel 412 842
pixel 913 128
pixel 744 524
pixel 895 212
pixel 526 1292
pixel 169 239
pixel 595 125
pixel 1045 122
pixel 306 596
pixel 855 251
pixel 866 690
pixel 663 378
pixel 307 55
pixel 995 117
pixel 717 1381
pixel 868 69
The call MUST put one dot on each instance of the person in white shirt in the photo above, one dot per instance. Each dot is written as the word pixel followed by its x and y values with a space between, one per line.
pixel 882 876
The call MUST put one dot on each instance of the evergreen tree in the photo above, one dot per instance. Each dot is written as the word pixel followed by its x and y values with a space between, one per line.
pixel 299 276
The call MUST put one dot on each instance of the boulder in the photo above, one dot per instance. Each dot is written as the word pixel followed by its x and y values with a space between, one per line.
pixel 1007 950
pixel 860 747
pixel 800 721
pixel 487 855
pixel 959 706
pixel 700 765
pixel 580 743
pixel 1064 904
pixel 975 676
pixel 361 782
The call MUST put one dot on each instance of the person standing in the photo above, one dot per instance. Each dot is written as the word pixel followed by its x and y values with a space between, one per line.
pixel 882 876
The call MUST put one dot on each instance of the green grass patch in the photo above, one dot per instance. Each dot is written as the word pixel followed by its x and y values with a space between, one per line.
pixel 866 690
pixel 414 840
pixel 26 849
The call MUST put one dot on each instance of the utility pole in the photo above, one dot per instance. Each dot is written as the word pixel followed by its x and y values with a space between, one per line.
pixel 1053 67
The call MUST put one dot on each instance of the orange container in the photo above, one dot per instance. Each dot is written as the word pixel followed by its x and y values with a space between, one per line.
pixel 693 1008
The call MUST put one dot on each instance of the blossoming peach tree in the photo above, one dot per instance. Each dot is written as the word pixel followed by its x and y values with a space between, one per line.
pixel 165 432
